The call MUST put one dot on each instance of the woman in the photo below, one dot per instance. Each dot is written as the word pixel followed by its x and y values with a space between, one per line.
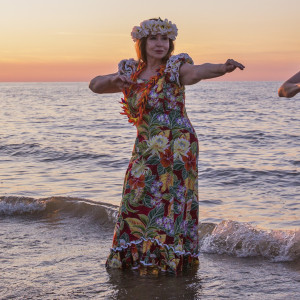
pixel 157 225
pixel 291 87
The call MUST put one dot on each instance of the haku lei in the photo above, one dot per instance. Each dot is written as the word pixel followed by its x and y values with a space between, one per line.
pixel 144 92
pixel 154 27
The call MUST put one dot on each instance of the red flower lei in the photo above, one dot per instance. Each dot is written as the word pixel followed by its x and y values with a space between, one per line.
pixel 144 92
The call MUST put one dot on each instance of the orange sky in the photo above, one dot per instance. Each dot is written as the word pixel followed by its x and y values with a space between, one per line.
pixel 79 39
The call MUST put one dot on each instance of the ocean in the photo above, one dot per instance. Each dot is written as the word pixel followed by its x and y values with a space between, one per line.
pixel 63 155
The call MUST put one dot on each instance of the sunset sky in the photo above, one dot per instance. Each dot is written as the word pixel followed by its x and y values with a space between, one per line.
pixel 75 40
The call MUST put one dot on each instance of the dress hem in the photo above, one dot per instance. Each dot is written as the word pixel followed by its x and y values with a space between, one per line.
pixel 116 249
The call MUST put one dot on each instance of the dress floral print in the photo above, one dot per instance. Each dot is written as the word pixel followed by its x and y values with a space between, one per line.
pixel 157 223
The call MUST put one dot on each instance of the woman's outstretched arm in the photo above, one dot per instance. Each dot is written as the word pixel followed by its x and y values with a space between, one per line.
pixel 111 83
pixel 291 87
pixel 191 74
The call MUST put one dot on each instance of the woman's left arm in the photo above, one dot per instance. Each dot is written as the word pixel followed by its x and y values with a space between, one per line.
pixel 191 74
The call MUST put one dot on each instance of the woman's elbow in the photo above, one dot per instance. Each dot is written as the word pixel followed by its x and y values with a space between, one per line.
pixel 280 92
pixel 287 90
pixel 94 87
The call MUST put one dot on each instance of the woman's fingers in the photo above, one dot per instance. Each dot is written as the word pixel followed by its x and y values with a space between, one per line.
pixel 234 63
pixel 239 65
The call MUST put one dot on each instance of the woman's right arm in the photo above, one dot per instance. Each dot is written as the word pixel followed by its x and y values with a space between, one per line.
pixel 191 74
pixel 111 83
pixel 291 87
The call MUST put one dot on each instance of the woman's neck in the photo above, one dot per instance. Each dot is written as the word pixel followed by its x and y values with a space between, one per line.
pixel 150 69
pixel 153 64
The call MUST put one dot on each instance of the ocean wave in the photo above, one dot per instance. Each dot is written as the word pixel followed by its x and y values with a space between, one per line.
pixel 228 237
pixel 98 212
pixel 215 173
pixel 49 154
pixel 235 176
pixel 243 240
pixel 19 149
pixel 295 162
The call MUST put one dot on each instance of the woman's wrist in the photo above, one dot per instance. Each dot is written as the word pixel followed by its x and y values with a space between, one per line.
pixel 222 69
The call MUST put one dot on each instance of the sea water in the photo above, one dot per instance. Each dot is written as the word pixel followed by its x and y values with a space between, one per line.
pixel 63 155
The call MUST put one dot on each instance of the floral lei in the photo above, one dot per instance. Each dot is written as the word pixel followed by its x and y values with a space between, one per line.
pixel 145 90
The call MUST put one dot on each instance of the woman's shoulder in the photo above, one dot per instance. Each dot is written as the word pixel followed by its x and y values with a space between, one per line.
pixel 127 66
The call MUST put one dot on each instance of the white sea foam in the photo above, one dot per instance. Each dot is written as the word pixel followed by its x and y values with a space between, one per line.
pixel 99 212
pixel 244 240
pixel 20 205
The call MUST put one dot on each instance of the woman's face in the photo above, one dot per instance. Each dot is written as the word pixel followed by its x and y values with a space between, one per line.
pixel 157 46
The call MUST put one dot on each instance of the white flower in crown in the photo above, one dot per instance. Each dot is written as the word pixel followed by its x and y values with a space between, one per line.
pixel 154 27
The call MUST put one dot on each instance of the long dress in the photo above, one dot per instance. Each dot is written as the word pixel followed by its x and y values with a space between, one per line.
pixel 157 224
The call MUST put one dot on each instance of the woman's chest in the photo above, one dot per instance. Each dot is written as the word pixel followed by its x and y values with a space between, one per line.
pixel 162 95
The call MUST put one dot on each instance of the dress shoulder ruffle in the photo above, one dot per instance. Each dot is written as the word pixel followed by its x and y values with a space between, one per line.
pixel 127 67
pixel 173 66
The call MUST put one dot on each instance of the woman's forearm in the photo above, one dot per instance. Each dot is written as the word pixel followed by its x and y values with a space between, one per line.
pixel 104 84
pixel 208 70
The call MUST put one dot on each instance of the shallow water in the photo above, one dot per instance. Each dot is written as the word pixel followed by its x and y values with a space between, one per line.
pixel 59 139
pixel 60 256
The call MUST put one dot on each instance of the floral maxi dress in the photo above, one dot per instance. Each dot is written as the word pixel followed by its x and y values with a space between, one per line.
pixel 157 224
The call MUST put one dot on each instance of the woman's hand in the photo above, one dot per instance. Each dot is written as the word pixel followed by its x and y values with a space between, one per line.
pixel 231 65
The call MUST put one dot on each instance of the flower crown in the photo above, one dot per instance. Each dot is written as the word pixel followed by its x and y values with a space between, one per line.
pixel 154 27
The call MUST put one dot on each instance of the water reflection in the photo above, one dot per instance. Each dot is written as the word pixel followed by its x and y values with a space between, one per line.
pixel 131 285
